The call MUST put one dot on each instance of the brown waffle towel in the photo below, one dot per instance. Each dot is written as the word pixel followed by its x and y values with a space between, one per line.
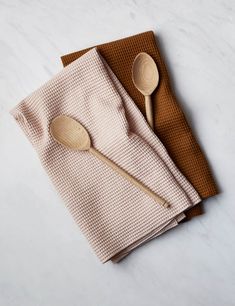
pixel 170 123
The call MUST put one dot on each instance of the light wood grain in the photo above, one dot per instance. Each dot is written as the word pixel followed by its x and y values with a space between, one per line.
pixel 71 134
pixel 145 77
pixel 149 111
pixel 128 177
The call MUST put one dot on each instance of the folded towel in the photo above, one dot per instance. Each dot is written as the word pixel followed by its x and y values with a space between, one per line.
pixel 170 123
pixel 113 214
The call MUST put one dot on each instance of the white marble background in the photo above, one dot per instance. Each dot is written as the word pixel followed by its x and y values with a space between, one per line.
pixel 44 259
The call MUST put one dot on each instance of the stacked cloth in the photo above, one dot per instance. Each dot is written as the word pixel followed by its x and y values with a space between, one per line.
pixel 112 213
pixel 171 125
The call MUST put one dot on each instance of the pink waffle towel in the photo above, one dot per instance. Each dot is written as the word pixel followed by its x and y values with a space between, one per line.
pixel 113 214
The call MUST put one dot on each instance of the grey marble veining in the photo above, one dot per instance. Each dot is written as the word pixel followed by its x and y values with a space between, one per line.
pixel 44 259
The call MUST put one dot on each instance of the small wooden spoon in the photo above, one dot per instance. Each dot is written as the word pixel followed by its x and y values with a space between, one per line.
pixel 145 77
pixel 71 134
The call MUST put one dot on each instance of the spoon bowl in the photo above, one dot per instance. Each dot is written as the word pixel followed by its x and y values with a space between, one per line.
pixel 145 74
pixel 70 133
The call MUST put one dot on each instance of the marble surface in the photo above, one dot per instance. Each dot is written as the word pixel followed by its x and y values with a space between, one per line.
pixel 44 259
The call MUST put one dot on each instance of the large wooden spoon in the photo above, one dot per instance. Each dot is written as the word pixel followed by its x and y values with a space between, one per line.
pixel 71 134
pixel 145 77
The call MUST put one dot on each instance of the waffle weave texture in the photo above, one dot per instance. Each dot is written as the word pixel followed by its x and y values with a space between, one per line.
pixel 113 214
pixel 170 123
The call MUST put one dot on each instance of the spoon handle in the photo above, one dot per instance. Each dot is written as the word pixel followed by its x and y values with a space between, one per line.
pixel 149 111
pixel 127 176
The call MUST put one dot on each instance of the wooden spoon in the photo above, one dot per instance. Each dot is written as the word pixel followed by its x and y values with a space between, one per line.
pixel 145 77
pixel 71 134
